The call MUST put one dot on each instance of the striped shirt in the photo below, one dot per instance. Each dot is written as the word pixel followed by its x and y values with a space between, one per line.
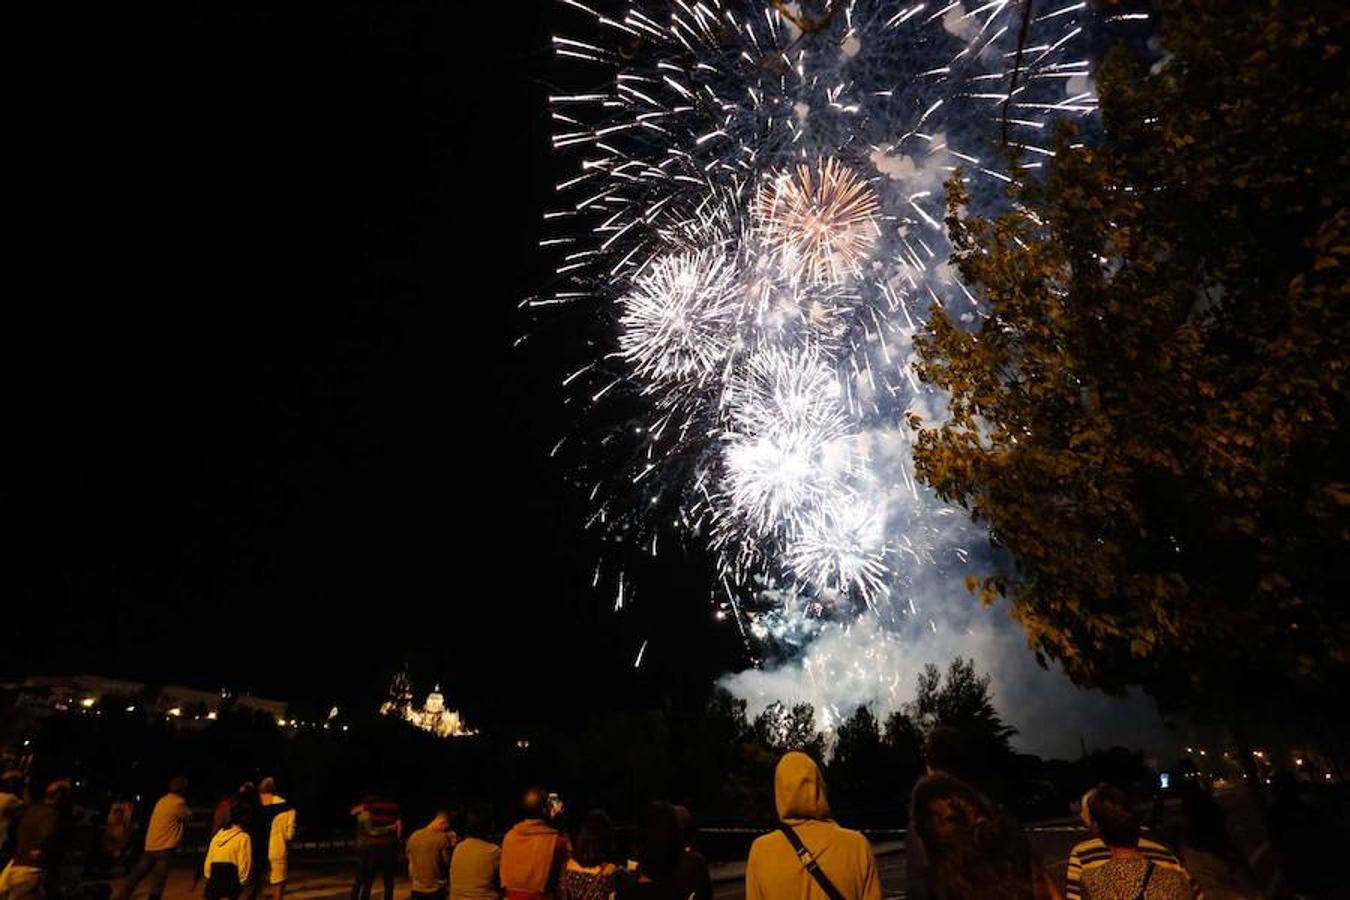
pixel 1091 857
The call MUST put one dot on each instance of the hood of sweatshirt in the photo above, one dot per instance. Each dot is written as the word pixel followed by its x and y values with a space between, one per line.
pixel 799 788
pixel 226 836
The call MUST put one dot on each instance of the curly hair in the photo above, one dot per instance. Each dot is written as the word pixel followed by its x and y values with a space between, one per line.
pixel 976 852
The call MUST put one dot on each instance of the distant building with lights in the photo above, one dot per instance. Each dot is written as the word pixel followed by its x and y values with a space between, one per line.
pixel 42 695
pixel 431 716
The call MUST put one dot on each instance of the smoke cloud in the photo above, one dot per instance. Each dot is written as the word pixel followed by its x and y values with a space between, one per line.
pixel 864 663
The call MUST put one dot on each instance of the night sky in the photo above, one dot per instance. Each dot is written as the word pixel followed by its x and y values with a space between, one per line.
pixel 265 424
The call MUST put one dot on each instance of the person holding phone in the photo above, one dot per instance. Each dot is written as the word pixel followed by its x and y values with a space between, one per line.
pixel 534 851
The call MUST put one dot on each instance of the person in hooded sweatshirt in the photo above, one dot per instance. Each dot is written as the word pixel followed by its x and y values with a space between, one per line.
pixel 280 816
pixel 229 857
pixel 533 853
pixel 774 871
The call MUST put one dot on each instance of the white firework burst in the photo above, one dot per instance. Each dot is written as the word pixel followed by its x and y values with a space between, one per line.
pixel 677 318
pixel 841 545
pixel 787 444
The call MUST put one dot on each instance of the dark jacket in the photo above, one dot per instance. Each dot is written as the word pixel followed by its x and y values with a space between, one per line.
pixel 43 832
pixel 692 878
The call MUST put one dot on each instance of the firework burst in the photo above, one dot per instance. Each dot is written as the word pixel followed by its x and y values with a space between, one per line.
pixel 817 221
pixel 758 198
pixel 786 446
pixel 841 546
pixel 677 320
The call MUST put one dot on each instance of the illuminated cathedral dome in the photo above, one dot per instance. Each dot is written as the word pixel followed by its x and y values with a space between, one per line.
pixel 432 716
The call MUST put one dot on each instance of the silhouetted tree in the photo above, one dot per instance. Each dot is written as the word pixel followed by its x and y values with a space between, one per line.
pixel 723 766
pixel 903 762
pixel 857 770
pixel 781 729
pixel 961 699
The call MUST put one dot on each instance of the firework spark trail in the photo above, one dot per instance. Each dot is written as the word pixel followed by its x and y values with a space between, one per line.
pixel 758 200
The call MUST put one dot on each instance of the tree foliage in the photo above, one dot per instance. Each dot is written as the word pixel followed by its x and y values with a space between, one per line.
pixel 857 741
pixel 874 765
pixel 858 768
pixel 961 699
pixel 781 729
pixel 1149 418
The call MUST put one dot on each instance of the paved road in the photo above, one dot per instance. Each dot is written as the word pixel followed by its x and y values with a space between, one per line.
pixel 331 880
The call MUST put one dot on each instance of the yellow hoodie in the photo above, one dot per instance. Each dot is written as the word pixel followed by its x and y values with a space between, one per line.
pixel 773 871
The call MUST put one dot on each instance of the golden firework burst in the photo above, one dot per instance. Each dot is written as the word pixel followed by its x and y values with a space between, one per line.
pixel 819 221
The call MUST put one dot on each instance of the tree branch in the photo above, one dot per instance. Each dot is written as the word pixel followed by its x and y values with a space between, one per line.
pixel 1017 65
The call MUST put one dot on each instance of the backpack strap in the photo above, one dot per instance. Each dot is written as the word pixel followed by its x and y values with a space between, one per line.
pixel 1148 876
pixel 809 862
